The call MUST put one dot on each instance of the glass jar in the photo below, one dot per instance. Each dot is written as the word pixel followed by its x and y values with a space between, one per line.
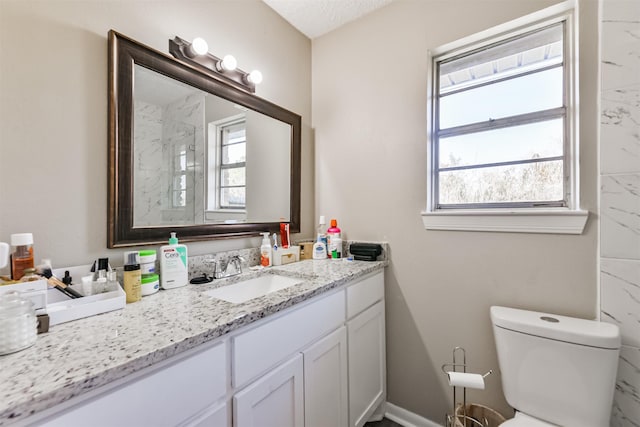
pixel 22 257
pixel 19 323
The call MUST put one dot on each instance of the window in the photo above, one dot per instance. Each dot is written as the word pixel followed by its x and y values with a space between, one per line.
pixel 229 166
pixel 502 124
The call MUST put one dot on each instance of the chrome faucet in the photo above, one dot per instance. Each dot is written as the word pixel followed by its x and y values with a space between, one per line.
pixel 232 267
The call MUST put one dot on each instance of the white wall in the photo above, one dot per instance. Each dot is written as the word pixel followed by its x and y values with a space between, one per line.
pixel 268 167
pixel 53 106
pixel 369 116
pixel 620 196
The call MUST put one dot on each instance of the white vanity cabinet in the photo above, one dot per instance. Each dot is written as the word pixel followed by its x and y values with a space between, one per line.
pixel 367 355
pixel 341 338
pixel 319 363
pixel 188 390
pixel 325 381
pixel 278 398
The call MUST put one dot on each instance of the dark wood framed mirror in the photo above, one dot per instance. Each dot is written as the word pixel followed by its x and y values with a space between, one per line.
pixel 175 163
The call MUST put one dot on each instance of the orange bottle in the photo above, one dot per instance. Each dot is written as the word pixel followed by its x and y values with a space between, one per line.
pixel 22 257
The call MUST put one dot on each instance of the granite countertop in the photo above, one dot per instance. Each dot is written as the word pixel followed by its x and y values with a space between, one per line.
pixel 75 357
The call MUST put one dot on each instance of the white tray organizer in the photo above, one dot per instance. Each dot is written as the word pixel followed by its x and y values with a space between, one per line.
pixel 60 307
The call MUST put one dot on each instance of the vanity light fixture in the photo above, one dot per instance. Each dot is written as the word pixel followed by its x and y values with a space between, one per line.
pixel 196 54
pixel 228 63
pixel 255 77
pixel 198 46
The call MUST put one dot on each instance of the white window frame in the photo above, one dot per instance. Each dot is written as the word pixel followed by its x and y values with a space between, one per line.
pixel 214 166
pixel 563 220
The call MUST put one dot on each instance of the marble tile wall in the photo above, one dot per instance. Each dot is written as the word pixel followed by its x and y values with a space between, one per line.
pixel 157 130
pixel 620 196
pixel 148 160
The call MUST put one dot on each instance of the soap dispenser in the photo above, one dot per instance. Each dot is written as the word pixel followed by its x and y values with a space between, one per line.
pixel 319 249
pixel 174 269
pixel 265 250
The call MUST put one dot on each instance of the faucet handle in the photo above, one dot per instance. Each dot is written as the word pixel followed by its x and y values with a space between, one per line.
pixel 237 260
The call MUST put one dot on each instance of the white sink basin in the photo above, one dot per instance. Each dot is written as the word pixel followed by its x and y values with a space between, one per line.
pixel 253 288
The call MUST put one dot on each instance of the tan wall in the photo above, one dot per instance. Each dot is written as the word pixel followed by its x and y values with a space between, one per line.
pixel 369 117
pixel 53 106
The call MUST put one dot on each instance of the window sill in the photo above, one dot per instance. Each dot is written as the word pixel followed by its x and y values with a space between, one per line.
pixel 550 221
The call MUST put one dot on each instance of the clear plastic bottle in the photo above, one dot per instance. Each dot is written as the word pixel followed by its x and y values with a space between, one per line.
pixel 112 281
pixel 321 235
pixel 22 257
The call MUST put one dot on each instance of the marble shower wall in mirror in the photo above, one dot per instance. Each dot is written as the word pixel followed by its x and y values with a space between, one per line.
pixel 178 174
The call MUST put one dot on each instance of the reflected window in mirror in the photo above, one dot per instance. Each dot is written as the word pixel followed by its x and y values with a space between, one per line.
pixel 226 180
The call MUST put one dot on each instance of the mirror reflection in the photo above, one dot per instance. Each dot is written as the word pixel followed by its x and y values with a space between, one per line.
pixel 201 159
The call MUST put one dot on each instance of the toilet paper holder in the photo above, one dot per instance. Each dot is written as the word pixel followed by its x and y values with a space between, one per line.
pixel 461 378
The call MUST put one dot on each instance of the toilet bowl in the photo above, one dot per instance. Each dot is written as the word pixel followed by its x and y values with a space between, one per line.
pixel 556 370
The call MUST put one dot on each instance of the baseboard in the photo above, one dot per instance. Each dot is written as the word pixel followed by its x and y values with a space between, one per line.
pixel 407 418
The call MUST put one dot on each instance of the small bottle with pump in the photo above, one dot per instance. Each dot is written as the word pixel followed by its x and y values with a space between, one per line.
pixel 22 257
pixel 174 271
pixel 132 278
pixel 319 249
pixel 265 250
pixel 334 241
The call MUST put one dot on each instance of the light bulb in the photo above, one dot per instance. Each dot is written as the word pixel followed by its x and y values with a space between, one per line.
pixel 255 77
pixel 228 63
pixel 199 46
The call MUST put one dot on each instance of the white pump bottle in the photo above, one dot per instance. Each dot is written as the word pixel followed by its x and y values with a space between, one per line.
pixel 265 250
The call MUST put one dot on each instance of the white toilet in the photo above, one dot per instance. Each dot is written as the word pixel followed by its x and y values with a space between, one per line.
pixel 556 370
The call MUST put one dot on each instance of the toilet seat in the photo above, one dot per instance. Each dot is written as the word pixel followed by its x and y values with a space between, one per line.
pixel 522 420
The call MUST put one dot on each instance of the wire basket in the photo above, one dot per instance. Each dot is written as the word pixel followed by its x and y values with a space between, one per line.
pixel 477 416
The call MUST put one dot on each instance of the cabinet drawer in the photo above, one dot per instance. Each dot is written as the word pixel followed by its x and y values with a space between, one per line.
pixel 364 294
pixel 257 350
pixel 164 397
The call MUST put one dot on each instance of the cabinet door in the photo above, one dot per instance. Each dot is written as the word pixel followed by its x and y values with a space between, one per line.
pixel 325 382
pixel 274 400
pixel 367 371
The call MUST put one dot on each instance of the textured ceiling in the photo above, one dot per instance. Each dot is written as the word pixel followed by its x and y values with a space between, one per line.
pixel 317 17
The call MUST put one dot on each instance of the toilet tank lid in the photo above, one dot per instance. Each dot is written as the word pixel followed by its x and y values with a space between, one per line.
pixel 560 328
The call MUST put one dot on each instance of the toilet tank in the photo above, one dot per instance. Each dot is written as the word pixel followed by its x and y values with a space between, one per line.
pixel 558 369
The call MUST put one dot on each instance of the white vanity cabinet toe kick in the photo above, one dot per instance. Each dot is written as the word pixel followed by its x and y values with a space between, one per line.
pixel 320 363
